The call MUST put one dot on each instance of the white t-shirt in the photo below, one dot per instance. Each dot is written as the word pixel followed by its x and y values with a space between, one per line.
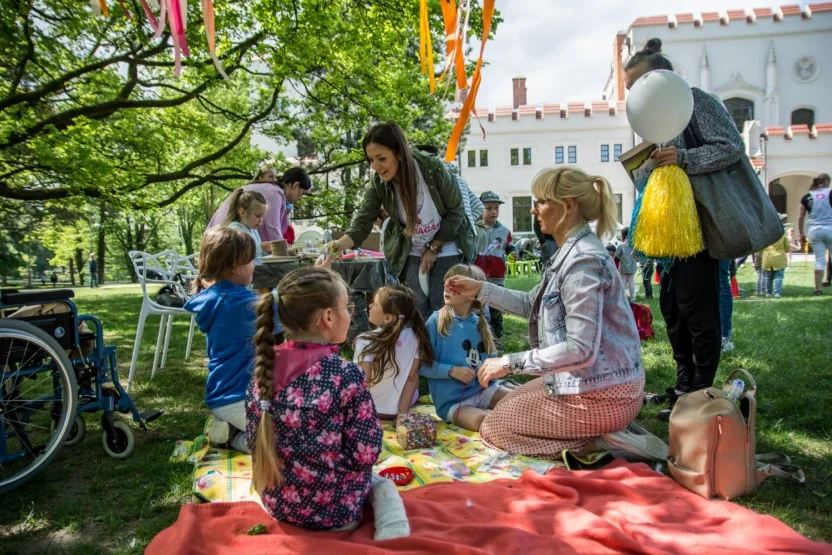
pixel 388 392
pixel 428 220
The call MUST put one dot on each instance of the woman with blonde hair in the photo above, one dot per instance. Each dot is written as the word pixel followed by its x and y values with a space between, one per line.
pixel 584 341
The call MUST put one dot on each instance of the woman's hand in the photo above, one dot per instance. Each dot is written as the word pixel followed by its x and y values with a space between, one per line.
pixel 462 374
pixel 428 260
pixel 324 261
pixel 491 369
pixel 464 287
pixel 667 156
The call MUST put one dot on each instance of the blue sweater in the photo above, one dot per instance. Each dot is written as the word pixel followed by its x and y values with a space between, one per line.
pixel 462 347
pixel 225 314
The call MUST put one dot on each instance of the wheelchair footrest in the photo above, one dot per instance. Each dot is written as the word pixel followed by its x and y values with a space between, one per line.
pixel 151 415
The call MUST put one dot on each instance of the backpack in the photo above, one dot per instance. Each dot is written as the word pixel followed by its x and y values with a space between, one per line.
pixel 171 296
pixel 644 320
pixel 711 447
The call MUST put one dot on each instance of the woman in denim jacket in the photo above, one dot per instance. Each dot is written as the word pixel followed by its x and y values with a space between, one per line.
pixel 583 337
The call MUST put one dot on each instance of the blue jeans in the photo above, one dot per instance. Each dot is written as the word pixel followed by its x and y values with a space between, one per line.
pixel 93 280
pixel 726 298
pixel 774 281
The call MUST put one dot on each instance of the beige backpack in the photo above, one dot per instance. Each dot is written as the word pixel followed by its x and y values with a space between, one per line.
pixel 712 444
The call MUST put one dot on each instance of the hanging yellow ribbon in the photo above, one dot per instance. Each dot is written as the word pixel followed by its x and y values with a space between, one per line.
pixel 667 224
pixel 425 46
pixel 468 106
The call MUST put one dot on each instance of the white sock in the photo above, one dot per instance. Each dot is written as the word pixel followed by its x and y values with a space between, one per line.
pixel 390 516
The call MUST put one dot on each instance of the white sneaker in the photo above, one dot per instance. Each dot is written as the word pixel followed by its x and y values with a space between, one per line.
pixel 727 345
pixel 218 431
pixel 634 443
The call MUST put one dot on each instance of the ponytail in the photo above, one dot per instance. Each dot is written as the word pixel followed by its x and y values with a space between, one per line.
pixel 242 200
pixel 607 209
pixel 267 467
pixel 485 332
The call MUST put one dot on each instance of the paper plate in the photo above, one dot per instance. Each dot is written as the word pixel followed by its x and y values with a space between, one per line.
pixel 316 238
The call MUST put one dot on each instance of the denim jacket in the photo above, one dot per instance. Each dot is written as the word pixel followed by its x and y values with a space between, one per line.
pixel 582 331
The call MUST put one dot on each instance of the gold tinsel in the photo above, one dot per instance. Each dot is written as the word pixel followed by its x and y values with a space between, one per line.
pixel 667 224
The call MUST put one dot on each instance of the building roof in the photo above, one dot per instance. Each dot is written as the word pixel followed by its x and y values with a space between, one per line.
pixel 750 16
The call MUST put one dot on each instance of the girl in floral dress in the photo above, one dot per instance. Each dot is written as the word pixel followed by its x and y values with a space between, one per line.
pixel 312 427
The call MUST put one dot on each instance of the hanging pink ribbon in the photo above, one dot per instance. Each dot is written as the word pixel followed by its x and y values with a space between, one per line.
pixel 163 7
pixel 208 19
pixel 176 8
pixel 154 24
pixel 177 51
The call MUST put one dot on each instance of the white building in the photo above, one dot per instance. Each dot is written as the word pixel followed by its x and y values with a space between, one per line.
pixel 771 67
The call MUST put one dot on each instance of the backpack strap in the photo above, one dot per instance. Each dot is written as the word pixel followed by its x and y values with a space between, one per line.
pixel 751 384
pixel 790 472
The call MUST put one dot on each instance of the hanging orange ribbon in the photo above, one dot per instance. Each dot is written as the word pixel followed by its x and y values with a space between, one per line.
pixel 208 19
pixel 468 106
pixel 425 46
pixel 104 10
pixel 453 43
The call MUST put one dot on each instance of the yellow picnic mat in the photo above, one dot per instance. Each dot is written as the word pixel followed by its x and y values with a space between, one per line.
pixel 223 475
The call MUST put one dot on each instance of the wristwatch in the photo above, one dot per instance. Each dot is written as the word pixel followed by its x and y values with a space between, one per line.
pixel 434 247
pixel 505 360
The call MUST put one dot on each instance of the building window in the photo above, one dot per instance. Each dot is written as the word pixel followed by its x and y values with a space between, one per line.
pixel 616 150
pixel 515 157
pixel 521 208
pixel 741 111
pixel 803 116
pixel 573 155
pixel 472 158
pixel 558 155
pixel 483 158
pixel 605 153
pixel 619 201
pixel 527 157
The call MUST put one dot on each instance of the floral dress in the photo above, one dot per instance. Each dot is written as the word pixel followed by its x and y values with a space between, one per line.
pixel 328 437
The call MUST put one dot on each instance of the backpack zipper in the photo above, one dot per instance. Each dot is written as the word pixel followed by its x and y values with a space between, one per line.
pixel 713 453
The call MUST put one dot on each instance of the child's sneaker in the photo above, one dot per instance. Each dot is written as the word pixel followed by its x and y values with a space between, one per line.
pixel 727 345
pixel 218 431
pixel 776 295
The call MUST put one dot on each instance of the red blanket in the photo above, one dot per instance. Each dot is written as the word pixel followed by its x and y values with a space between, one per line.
pixel 621 508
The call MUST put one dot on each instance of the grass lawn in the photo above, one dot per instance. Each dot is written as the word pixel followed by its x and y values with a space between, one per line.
pixel 86 502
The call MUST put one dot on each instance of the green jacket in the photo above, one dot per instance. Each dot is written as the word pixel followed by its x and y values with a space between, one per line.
pixel 444 191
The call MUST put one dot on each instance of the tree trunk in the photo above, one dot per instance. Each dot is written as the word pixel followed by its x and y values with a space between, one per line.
pixel 71 272
pixel 102 247
pixel 79 261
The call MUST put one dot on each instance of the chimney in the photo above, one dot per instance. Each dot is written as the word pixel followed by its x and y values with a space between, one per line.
pixel 519 86
pixel 618 66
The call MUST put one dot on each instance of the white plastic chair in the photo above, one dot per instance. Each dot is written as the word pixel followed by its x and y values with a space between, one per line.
pixel 159 269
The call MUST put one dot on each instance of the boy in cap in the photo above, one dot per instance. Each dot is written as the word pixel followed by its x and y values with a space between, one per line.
pixel 492 239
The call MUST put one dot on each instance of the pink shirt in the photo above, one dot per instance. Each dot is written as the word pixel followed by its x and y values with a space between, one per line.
pixel 276 219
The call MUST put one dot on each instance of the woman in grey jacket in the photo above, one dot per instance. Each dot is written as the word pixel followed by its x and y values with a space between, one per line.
pixel 583 337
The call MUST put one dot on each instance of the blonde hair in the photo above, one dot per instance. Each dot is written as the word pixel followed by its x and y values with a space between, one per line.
pixel 446 313
pixel 592 193
pixel 398 301
pixel 245 200
pixel 306 291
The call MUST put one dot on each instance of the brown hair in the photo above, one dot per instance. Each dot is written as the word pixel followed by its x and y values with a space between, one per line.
pixel 818 181
pixel 650 56
pixel 400 302
pixel 306 291
pixel 446 313
pixel 223 249
pixel 390 135
pixel 245 200
pixel 592 193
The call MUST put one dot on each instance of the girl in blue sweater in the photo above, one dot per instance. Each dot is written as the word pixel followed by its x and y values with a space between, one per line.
pixel 224 308
pixel 461 340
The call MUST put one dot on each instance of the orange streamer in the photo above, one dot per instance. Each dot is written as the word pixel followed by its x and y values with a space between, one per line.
pixel 453 43
pixel 468 106
pixel 425 46
pixel 104 9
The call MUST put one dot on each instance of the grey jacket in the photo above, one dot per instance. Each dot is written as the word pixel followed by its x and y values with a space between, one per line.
pixel 582 331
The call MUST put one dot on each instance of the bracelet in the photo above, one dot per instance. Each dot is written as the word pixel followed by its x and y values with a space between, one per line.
pixel 434 248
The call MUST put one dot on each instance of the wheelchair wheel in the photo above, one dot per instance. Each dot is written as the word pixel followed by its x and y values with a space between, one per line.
pixel 122 443
pixel 77 433
pixel 38 400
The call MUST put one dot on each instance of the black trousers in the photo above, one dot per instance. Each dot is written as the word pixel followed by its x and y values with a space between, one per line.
pixel 647 278
pixel 689 300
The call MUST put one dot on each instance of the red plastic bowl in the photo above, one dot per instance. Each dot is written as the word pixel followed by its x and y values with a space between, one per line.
pixel 401 475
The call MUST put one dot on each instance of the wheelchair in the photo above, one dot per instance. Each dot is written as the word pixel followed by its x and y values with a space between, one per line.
pixel 55 367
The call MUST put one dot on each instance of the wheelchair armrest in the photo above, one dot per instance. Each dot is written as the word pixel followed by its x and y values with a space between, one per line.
pixel 20 298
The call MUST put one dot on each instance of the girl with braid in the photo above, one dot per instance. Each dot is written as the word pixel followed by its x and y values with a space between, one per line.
pixel 312 427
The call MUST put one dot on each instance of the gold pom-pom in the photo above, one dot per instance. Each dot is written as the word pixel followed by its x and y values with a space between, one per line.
pixel 667 223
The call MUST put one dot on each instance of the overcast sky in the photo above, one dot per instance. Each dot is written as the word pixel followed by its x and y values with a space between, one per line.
pixel 564 49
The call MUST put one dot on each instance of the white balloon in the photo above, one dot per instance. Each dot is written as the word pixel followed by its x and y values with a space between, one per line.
pixel 659 106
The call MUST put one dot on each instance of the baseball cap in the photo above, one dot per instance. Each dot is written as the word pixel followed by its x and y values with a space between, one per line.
pixel 490 196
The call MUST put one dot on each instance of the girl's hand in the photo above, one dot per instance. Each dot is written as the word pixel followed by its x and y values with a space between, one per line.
pixel 464 287
pixel 491 369
pixel 462 374
pixel 267 246
pixel 428 260
pixel 667 156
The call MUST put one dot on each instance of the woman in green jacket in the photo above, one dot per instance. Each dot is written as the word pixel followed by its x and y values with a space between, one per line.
pixel 428 231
